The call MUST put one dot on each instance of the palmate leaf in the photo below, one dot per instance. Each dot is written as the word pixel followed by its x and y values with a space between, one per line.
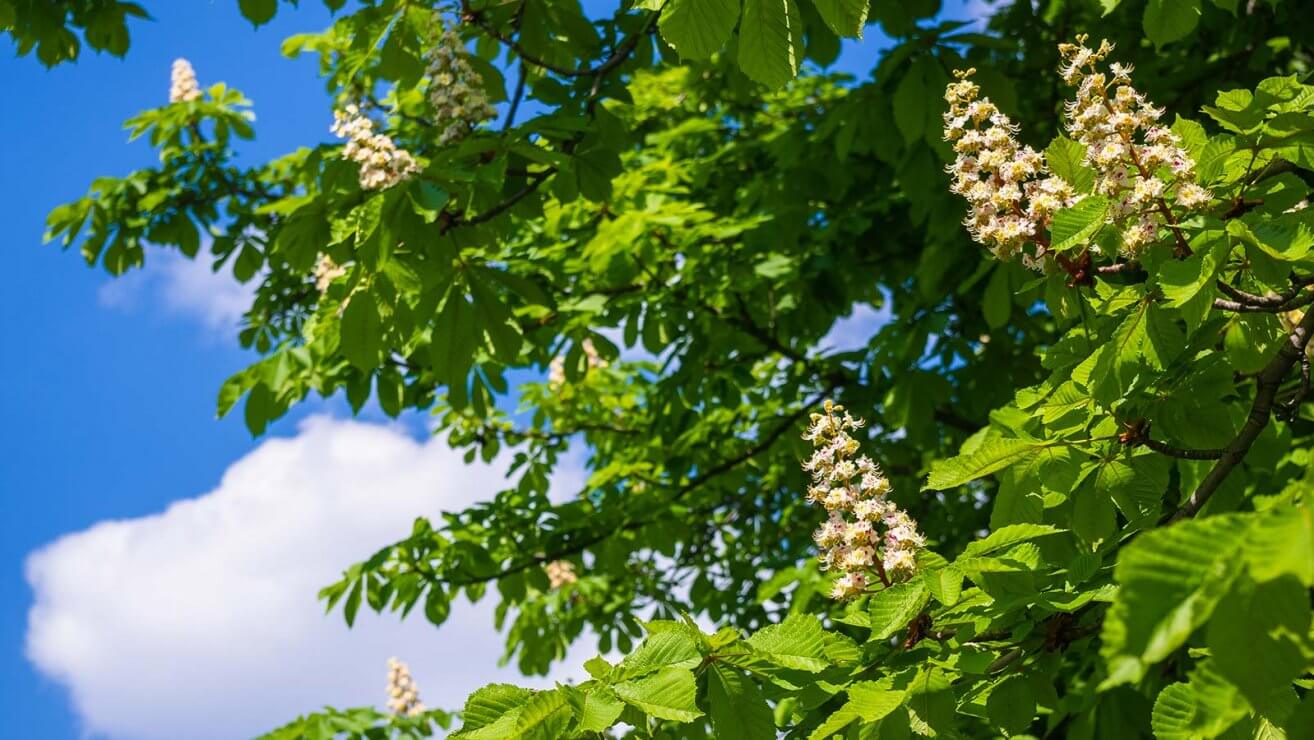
pixel 492 712
pixel 1166 21
pixel 1282 543
pixel 1006 537
pixel 845 17
pixel 1169 580
pixel 698 28
pixel 1259 639
pixel 770 41
pixel 736 706
pixel 1075 225
pixel 990 456
pixel 798 642
pixel 666 694
pixel 661 650
pixel 544 716
pixel 1066 159
pixel 893 608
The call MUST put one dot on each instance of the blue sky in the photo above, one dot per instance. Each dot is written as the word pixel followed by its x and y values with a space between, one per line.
pixel 111 389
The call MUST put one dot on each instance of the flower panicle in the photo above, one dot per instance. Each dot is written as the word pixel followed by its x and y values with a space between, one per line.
pixel 864 531
pixel 1140 165
pixel 560 573
pixel 403 693
pixel 1010 194
pixel 183 87
pixel 460 103
pixel 382 163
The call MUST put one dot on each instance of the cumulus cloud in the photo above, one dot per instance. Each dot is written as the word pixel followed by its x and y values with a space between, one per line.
pixel 202 621
pixel 185 287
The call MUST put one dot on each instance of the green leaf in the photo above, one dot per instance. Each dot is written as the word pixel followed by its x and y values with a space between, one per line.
pixel 1011 705
pixel 736 706
pixel 544 716
pixel 362 336
pixel 770 41
pixel 798 642
pixel 661 650
pixel 911 99
pixel 873 701
pixel 1282 543
pixel 601 710
pixel 845 17
pixel 997 303
pixel 945 584
pixel 894 607
pixel 1166 21
pixel 1259 637
pixel 1170 580
pixel 666 694
pixel 698 29
pixel 1075 225
pixel 456 335
pixel 258 11
pixel 990 456
pixel 1066 159
pixel 493 709
pixel 1181 280
pixel 1174 713
pixel 1006 537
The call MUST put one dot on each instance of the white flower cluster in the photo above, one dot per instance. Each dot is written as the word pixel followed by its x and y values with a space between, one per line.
pixel 1005 183
pixel 1138 163
pixel 326 271
pixel 557 368
pixel 182 82
pixel 460 104
pixel 849 486
pixel 403 694
pixel 382 163
pixel 560 573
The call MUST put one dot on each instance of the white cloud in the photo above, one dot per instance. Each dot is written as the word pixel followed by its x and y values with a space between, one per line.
pixel 182 286
pixel 202 621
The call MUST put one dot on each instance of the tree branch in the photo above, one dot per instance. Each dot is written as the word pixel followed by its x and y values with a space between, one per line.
pixel 1266 387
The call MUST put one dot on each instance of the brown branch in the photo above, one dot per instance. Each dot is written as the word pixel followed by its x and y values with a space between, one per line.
pixel 1243 302
pixel 1181 452
pixel 1267 384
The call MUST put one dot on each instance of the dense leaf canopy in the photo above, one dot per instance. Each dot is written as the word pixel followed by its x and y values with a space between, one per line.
pixel 646 255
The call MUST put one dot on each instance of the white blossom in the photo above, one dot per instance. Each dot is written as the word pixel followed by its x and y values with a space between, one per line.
pixel 182 82
pixel 864 530
pixel 382 163
pixel 560 573
pixel 1009 194
pixel 459 102
pixel 557 368
pixel 403 694
pixel 1138 163
pixel 326 271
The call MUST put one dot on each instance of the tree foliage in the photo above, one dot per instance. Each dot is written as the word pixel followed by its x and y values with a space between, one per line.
pixel 646 256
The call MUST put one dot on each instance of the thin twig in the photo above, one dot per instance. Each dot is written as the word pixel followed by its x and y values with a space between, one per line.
pixel 515 99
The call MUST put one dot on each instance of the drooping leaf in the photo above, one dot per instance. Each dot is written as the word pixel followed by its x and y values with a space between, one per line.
pixel 698 28
pixel 770 41
pixel 736 706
